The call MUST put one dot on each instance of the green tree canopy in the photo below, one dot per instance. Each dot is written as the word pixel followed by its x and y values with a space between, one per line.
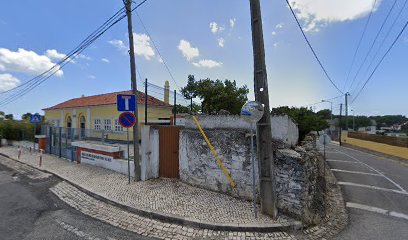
pixel 325 113
pixel 216 94
pixel 306 119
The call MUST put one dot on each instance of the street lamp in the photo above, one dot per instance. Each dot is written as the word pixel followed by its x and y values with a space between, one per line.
pixel 331 108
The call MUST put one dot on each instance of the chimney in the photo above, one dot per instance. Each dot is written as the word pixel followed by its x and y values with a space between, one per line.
pixel 166 92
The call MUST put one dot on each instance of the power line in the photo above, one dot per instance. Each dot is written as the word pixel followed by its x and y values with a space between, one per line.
pixel 383 41
pixel 372 45
pixel 359 43
pixel 311 48
pixel 36 81
pixel 382 59
pixel 158 51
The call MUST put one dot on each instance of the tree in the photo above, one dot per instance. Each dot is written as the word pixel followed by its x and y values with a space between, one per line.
pixel 325 113
pixel 9 116
pixel 187 109
pixel 306 119
pixel 26 116
pixel 216 95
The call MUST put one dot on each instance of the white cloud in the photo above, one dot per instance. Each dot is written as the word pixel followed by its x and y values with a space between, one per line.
pixel 119 44
pixel 142 46
pixel 105 60
pixel 279 26
pixel 8 81
pixel 92 77
pixel 205 63
pixel 232 22
pixel 160 59
pixel 187 50
pixel 28 62
pixel 318 13
pixel 54 54
pixel 216 28
pixel 274 33
pixel 221 42
pixel 276 44
pixel 141 43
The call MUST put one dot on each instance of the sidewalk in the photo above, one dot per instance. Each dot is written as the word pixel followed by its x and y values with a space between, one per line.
pixel 165 199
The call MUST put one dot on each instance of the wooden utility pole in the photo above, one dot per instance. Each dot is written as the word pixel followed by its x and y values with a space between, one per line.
pixel 134 89
pixel 264 137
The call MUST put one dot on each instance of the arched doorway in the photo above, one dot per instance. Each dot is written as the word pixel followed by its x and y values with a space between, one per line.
pixel 69 122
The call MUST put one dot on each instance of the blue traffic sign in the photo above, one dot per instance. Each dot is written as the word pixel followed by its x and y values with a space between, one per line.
pixel 35 118
pixel 126 102
pixel 127 119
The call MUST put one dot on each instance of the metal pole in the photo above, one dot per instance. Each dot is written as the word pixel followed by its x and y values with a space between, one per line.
pixel 35 125
pixel 324 155
pixel 146 96
pixel 341 108
pixel 331 110
pixel 175 109
pixel 60 142
pixel 134 89
pixel 128 155
pixel 253 170
pixel 264 139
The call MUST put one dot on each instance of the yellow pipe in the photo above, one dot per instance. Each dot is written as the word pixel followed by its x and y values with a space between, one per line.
pixel 214 153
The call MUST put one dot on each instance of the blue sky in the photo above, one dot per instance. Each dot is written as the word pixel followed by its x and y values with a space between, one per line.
pixel 208 39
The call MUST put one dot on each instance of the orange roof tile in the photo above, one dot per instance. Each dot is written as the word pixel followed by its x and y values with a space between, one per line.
pixel 106 99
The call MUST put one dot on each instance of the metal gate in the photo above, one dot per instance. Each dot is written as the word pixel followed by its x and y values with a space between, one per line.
pixel 169 152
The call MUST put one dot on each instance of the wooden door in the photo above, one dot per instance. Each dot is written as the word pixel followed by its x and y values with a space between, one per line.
pixel 169 152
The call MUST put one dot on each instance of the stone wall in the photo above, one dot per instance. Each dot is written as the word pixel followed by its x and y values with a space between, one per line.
pixel 300 183
pixel 200 168
pixel 297 172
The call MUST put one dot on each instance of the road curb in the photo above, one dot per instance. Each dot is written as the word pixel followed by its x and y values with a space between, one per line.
pixel 170 218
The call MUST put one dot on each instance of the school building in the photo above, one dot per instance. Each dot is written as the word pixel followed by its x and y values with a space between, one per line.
pixel 99 112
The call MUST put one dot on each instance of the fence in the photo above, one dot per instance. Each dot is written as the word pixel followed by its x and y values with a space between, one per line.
pixel 394 141
pixel 59 140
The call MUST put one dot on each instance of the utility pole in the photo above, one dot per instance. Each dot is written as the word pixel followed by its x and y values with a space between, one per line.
pixel 346 104
pixel 264 138
pixel 341 109
pixel 146 98
pixel 134 90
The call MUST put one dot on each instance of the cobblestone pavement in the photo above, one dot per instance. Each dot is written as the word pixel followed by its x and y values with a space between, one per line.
pixel 145 226
pixel 334 222
pixel 160 195
pixel 24 169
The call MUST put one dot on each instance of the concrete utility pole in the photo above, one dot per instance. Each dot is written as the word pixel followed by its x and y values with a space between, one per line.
pixel 134 89
pixel 341 109
pixel 264 137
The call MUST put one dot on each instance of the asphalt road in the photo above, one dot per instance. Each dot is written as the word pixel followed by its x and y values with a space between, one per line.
pixel 29 211
pixel 375 190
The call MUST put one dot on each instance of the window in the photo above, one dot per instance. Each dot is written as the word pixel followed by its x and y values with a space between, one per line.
pixel 118 127
pixel 107 124
pixel 97 124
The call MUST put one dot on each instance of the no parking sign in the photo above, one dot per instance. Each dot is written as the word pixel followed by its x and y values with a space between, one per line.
pixel 127 119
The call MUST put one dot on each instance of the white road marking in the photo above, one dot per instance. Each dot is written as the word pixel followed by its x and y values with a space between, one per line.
pixel 372 187
pixel 376 210
pixel 375 170
pixel 342 161
pixel 356 172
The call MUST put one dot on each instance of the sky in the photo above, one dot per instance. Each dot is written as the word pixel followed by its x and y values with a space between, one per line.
pixel 209 39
